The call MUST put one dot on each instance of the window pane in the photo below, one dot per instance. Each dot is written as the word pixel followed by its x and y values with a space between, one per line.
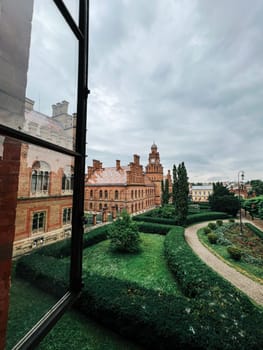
pixel 40 224
pixel 48 110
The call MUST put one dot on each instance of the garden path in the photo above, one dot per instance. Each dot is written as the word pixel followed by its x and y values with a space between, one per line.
pixel 253 289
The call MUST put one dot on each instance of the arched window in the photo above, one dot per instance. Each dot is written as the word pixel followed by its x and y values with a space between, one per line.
pixel 67 179
pixel 90 206
pixel 38 221
pixel 132 194
pixel 100 206
pixel 91 193
pixel 106 194
pixel 100 194
pixel 40 178
pixel 116 194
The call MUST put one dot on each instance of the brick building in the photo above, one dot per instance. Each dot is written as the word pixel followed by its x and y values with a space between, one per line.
pixel 112 189
pixel 45 186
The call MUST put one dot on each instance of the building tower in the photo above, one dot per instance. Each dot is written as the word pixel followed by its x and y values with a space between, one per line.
pixel 154 171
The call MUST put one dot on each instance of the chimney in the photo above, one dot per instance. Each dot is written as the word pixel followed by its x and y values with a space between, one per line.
pixel 118 164
pixel 60 108
pixel 97 165
pixel 136 159
pixel 29 104
pixel 90 171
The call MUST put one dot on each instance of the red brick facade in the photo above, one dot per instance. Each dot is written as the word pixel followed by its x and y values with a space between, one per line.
pixel 124 187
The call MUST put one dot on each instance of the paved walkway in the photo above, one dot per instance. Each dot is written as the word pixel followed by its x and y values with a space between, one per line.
pixel 253 289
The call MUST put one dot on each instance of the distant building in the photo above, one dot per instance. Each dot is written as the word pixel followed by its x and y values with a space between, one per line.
pixel 112 189
pixel 201 193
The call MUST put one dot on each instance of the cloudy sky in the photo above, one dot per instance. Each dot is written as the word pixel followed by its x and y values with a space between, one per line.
pixel 187 75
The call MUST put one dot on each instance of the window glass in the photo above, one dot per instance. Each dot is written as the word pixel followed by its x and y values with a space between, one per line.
pixel 48 108
pixel 42 222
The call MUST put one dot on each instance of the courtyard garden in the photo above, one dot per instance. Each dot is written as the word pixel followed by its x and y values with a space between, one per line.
pixel 160 295
pixel 243 250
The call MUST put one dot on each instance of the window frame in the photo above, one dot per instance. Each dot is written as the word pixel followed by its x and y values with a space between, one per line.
pixel 81 32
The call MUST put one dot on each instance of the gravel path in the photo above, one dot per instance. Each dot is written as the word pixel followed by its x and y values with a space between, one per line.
pixel 253 289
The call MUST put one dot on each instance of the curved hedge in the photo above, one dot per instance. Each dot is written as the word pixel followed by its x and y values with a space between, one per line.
pixel 256 230
pixel 206 216
pixel 156 219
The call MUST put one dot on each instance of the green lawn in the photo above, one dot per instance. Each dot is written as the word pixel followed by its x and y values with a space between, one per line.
pixel 147 268
pixel 255 272
pixel 73 331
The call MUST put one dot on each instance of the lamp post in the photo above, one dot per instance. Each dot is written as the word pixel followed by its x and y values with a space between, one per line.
pixel 241 172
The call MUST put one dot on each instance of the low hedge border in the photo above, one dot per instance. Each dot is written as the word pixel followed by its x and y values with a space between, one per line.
pixel 213 215
pixel 256 230
pixel 156 220
pixel 153 319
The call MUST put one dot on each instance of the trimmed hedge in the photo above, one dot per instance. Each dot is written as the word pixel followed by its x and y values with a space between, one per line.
pixel 220 318
pixel 256 230
pixel 156 219
pixel 62 249
pixel 213 215
pixel 148 227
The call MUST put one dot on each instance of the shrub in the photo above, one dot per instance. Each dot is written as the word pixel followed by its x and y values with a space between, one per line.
pixel 124 234
pixel 149 227
pixel 234 252
pixel 212 225
pixel 231 220
pixel 155 219
pixel 219 222
pixel 256 230
pixel 207 230
pixel 191 219
pixel 212 237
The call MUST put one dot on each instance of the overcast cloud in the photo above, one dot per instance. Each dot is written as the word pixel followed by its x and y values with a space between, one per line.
pixel 185 74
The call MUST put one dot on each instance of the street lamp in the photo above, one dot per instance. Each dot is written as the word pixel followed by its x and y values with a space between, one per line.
pixel 241 172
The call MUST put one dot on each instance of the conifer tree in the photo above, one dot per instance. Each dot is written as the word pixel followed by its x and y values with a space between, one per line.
pixel 165 192
pixel 180 192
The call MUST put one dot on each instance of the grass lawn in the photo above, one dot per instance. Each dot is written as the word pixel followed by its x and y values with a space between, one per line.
pixel 147 268
pixel 253 271
pixel 73 331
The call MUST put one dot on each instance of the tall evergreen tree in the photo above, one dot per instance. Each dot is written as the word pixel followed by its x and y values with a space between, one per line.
pixel 180 192
pixel 165 192
pixel 175 187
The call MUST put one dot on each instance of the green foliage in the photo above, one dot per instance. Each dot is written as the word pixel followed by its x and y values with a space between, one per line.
pixel 254 206
pixel 180 192
pixel 206 230
pixel 234 252
pixel 219 222
pixel 256 230
pixel 156 219
pixel 191 219
pixel 223 200
pixel 165 192
pixel 124 234
pixel 257 186
pixel 149 227
pixel 212 225
pixel 212 237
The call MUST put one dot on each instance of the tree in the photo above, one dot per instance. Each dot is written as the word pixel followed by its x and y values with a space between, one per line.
pixel 257 187
pixel 165 192
pixel 180 192
pixel 124 234
pixel 223 200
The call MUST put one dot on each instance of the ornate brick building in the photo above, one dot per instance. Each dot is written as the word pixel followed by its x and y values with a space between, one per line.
pixel 115 188
pixel 45 186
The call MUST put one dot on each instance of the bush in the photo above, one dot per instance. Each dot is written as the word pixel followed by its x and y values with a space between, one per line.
pixel 207 230
pixel 256 230
pixel 213 215
pixel 212 225
pixel 124 234
pixel 219 222
pixel 212 237
pixel 234 252
pixel 231 220
pixel 148 227
pixel 155 219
